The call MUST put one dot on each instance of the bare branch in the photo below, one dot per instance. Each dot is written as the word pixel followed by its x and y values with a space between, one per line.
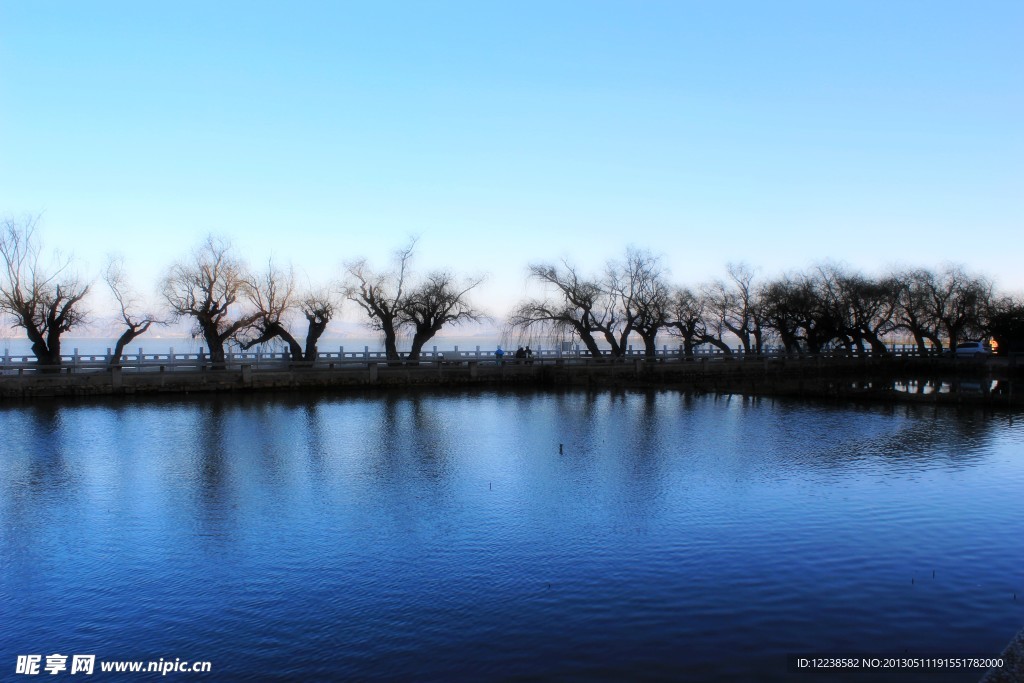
pixel 44 300
pixel 205 287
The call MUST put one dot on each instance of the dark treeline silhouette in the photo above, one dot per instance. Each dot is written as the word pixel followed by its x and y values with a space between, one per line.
pixel 825 307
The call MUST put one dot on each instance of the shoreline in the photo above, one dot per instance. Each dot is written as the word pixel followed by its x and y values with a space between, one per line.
pixel 992 382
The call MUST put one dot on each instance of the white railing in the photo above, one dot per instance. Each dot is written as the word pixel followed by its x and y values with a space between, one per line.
pixel 140 361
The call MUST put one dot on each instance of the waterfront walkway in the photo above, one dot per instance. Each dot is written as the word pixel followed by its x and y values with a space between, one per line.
pixel 910 376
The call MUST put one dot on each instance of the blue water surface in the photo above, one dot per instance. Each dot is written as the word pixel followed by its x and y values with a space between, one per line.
pixel 492 535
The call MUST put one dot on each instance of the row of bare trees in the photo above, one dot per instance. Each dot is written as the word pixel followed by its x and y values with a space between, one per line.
pixel 225 300
pixel 228 302
pixel 825 307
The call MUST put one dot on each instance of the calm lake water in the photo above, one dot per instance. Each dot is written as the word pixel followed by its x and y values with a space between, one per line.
pixel 444 536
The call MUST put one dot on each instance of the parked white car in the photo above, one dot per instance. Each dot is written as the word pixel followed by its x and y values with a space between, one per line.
pixel 972 349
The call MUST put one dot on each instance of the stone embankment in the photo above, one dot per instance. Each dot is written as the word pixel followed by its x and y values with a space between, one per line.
pixel 987 381
pixel 1012 670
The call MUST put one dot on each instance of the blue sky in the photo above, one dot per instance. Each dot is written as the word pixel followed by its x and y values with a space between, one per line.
pixel 777 133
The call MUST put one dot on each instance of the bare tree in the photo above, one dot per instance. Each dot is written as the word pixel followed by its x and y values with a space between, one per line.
pixel 641 299
pixel 717 305
pixel 380 295
pixel 207 287
pixel 734 303
pixel 45 302
pixel 572 304
pixel 913 311
pixel 868 309
pixel 780 301
pixel 136 322
pixel 434 303
pixel 958 301
pixel 688 312
pixel 318 306
pixel 272 297
pixel 830 287
pixel 801 308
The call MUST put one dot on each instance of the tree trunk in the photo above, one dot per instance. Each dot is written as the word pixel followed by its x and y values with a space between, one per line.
pixel 650 348
pixel 878 347
pixel 122 341
pixel 687 333
pixel 588 340
pixel 390 340
pixel 718 344
pixel 418 340
pixel 46 359
pixel 922 348
pixel 216 345
pixel 39 349
pixel 316 329
pixel 617 350
pixel 954 332
pixel 293 345
pixel 745 340
pixel 126 338
pixel 52 354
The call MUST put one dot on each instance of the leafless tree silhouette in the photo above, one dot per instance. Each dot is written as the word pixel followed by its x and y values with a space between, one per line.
pixel 44 301
pixel 206 287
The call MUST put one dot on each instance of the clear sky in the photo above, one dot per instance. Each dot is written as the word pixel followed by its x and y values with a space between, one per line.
pixel 777 133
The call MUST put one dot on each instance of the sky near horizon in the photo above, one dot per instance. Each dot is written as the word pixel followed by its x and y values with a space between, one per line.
pixel 780 134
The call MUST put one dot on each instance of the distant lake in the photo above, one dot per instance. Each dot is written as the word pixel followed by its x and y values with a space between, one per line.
pixel 20 346
pixel 489 535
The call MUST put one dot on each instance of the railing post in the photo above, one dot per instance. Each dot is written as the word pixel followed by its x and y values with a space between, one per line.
pixel 140 358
